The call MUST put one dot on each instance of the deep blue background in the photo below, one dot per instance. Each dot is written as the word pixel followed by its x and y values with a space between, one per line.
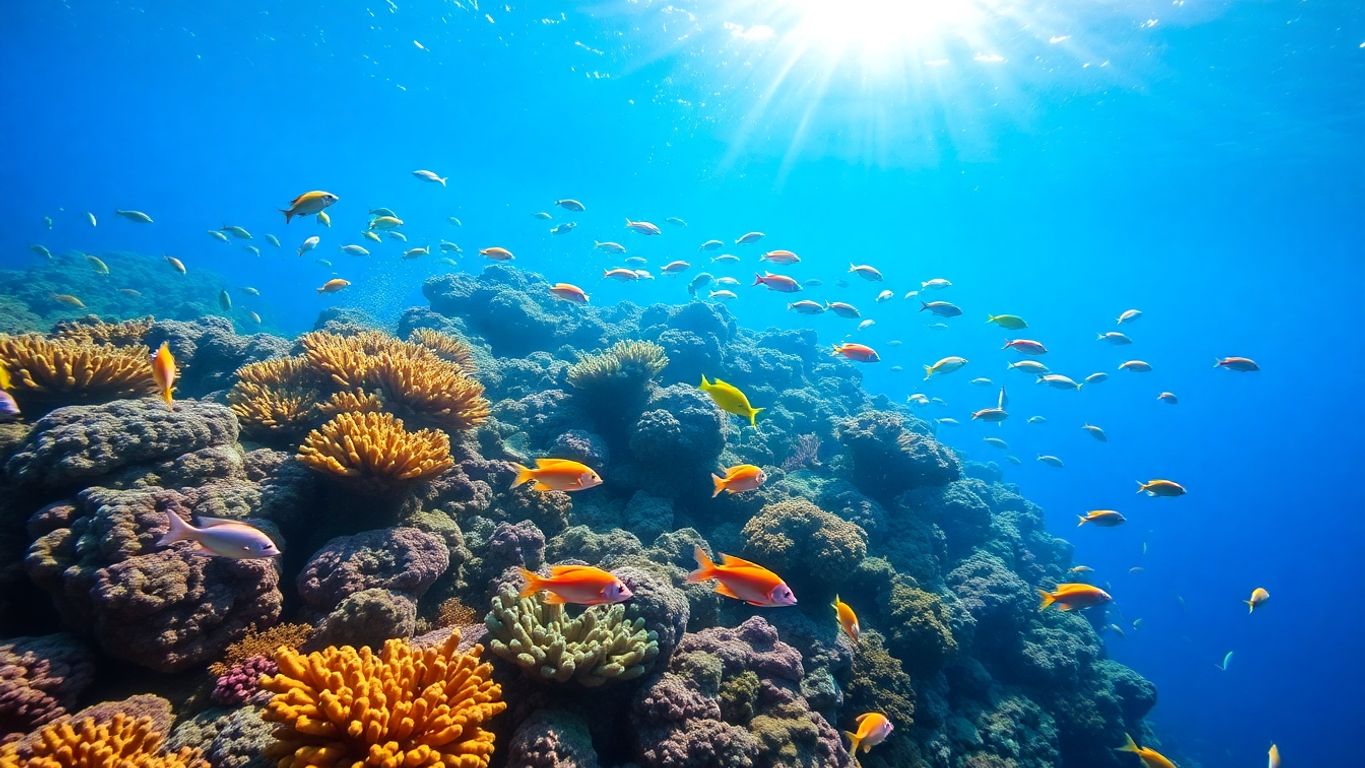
pixel 1207 170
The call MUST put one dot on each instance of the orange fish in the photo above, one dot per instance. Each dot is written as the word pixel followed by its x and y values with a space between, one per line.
pixel 497 254
pixel 848 620
pixel 1274 757
pixel 873 728
pixel 859 352
pixel 569 292
pixel 1073 597
pixel 1150 757
pixel 309 203
pixel 742 580
pixel 741 477
pixel 557 475
pixel 333 285
pixel 780 283
pixel 1105 518
pixel 577 584
pixel 1258 595
pixel 163 370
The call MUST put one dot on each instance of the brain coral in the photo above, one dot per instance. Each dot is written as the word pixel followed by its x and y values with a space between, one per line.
pixel 40 678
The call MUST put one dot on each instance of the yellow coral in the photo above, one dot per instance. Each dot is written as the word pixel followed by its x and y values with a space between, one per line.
pixel 261 642
pixel 430 389
pixel 402 707
pixel 351 401
pixel 637 361
pixel 127 333
pixel 375 447
pixel 64 371
pixel 345 360
pixel 275 396
pixel 120 742
pixel 447 347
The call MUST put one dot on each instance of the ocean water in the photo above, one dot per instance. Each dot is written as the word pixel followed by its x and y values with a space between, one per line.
pixel 1201 161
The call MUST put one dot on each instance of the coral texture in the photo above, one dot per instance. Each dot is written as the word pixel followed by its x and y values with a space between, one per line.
pixel 121 742
pixel 376 448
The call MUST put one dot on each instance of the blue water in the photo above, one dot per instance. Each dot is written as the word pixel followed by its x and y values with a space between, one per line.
pixel 1206 168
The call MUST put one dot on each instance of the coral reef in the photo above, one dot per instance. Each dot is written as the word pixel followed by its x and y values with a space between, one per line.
pixel 51 372
pixel 552 738
pixel 40 679
pixel 123 740
pixel 375 449
pixel 814 550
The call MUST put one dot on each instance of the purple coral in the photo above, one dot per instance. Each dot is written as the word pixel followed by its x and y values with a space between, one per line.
pixel 242 681
pixel 40 678
pixel 805 452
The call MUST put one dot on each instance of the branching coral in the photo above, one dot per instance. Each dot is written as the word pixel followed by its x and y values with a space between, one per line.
pixel 401 707
pixel 375 447
pixel 351 401
pixel 128 333
pixel 345 360
pixel 430 389
pixel 598 647
pixel 122 741
pixel 261 642
pixel 50 372
pixel 623 371
pixel 277 396
pixel 447 347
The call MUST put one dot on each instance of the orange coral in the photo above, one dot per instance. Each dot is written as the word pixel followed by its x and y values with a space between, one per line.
pixel 127 333
pixel 375 447
pixel 431 389
pixel 261 642
pixel 452 612
pixel 345 360
pixel 120 742
pixel 275 396
pixel 402 707
pixel 447 347
pixel 67 371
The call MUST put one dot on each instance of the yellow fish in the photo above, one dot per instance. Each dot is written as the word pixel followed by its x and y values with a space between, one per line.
pixel 1274 756
pixel 324 219
pixel 729 399
pixel 848 620
pixel 163 371
pixel 307 203
pixel 5 382
pixel 873 728
pixel 1258 595
pixel 1150 757
pixel 99 265
pixel 557 475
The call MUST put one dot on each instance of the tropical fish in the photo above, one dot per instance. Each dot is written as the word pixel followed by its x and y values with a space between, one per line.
pixel 996 442
pixel 1116 629
pixel 450 247
pixel 1073 596
pixel 137 216
pixel 843 309
pixel 563 228
pixel 569 204
pixel 1227 659
pixel 569 292
pixel 981 381
pixel 68 300
pixel 936 284
pixel 41 250
pixel 449 261
pixel 542 215
pixel 873 728
pixel 947 421
pixel 742 580
pixel 868 323
pixel 996 414
pixel 1161 488
pixel 237 232
pixel 90 217
pixel 780 283
pixel 1239 364
pixel 674 267
pixel 275 241
pixel 1028 366
pixel 309 245
pixel 385 222
pixel 220 236
pixel 255 318
pixel 1080 569
pixel 806 307
pixel 637 260
pixel 722 295
pixel 497 253
pixel 253 250
pixel 1258 595
pixel 621 274
pixel 1058 381
pixel 324 219
pixel 1096 377
pixel 382 212
pixel 1011 322
pixel 396 235
pixel 1168 397
pixel 355 250
pixel 1136 366
pixel 1025 346
pixel 848 620
pixel 577 584
pixel 326 263
pixel 99 265
pixel 729 398
pixel 702 278
pixel 416 253
pixel 1274 757
pixel 308 203
pixel 9 407
pixel 334 285
pixel 1050 460
pixel 1096 432
pixel 749 237
pixel 674 220
pixel 163 372
pixel 372 236
pixel 858 352
pixel 1037 420
pixel 557 475
pixel 643 227
pixel 1129 316
pixel 884 296
pixel 866 272
pixel 1104 518
pixel 455 220
pixel 737 479
pixel 215 536
pixel 225 300
pixel 608 246
pixel 780 256
pixel 711 245
pixel 1115 338
pixel 1150 757
pixel 135 293
pixel 430 176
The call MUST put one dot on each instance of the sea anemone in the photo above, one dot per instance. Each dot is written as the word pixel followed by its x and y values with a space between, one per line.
pixel 376 448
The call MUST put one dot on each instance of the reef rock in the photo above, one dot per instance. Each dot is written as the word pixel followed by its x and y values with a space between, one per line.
pixel 401 560
pixel 40 679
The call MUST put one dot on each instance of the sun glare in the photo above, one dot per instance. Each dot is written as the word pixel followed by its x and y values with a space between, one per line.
pixel 876 32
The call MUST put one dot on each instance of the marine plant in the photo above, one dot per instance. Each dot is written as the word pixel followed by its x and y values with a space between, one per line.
pixel 375 448
pixel 47 373
pixel 426 388
pixel 121 741
pixel 597 647
pixel 260 642
pixel 345 360
pixel 403 706
pixel 351 401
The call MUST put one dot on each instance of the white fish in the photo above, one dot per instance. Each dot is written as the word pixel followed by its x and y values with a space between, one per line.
pixel 1096 432
pixel 413 253
pixel 219 235
pixel 864 325
pixel 455 220
pixel 608 246
pixel 1096 377
pixel 1129 316
pixel 1115 338
pixel 91 217
pixel 749 237
pixel 396 235
pixel 1227 659
pixel 253 250
pixel 224 538
pixel 948 421
pixel 355 250
pixel 885 296
pixel 236 232
pixel 41 250
pixel 1058 381
pixel 309 244
pixel 722 295
pixel 981 381
pixel 450 247
pixel 275 241
pixel 137 216
pixel 1050 460
pixel 727 281
pixel 937 283
pixel 430 176
pixel 1037 420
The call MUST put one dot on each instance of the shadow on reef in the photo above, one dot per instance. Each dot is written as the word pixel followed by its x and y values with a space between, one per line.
pixel 382 464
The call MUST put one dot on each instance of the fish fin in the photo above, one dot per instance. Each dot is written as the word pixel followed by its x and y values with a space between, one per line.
pixel 1082 522
pixel 739 561
pixel 718 483
pixel 725 591
pixel 923 306
pixel 179 530
pixel 1251 607
pixel 704 383
pixel 1141 486
pixel 928 372
pixel 1046 599
pixel 443 181
pixel 533 582
pixel 524 474
pixel 564 570
pixel 554 599
pixel 1129 745
pixel 1064 607
pixel 835 604
pixel 287 215
pixel 853 742
pixel 166 394
pixel 539 486
pixel 543 463
pixel 758 279
pixel 705 567
pixel 753 416
pixel 213 522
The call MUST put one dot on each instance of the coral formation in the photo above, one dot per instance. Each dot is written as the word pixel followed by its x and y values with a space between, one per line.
pixel 50 372
pixel 814 549
pixel 123 740
pixel 375 448
pixel 40 679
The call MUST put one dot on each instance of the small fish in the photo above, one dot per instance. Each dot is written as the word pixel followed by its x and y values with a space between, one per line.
pixel 255 318
pixel 1274 757
pixel 308 204
pixel 725 258
pixel 576 584
pixel 163 372
pixel 557 475
pixel 68 300
pixel 1051 461
pixel 309 244
pixel 1058 381
pixel 215 536
pixel 1136 366
pixel 940 308
pixel 981 381
pixel 779 256
pixel 1080 569
pixel 643 227
pixel 253 250
pixel 866 272
pixel 1096 432
pixel 726 281
pixel 711 245
pixel 569 204
pixel 674 220
pixel 137 216
pixel 722 296
pixel 385 222
pixel 396 235
pixel 355 250
pixel 948 421
pixel 608 246
pixel 996 442
pixel 1104 518
pixel 621 274
pixel 737 479
pixel 702 278
pixel 416 253
pixel 1258 595
pixel 225 300
pixel 1011 322
pixel 1096 377
pixel 497 253
pixel 218 235
pixel 729 398
pixel 325 262
pixel 90 217
pixel 806 307
pixel 1227 659
pixel 1129 316
pixel 131 292
pixel 674 267
pixel 1161 488
pixel 450 247
pixel 237 232
pixel 848 620
pixel 450 261
pixel 857 352
pixel 1025 346
pixel 749 237
pixel 1168 397
pixel 9 407
pixel 868 323
pixel 430 176
pixel 383 212
pixel 1150 757
pixel 41 250
pixel 560 229
pixel 917 399
pixel 897 368
pixel 1037 420
pixel 1116 629
pixel 873 728
pixel 455 220
pixel 1015 460
pixel 1073 596
pixel 1115 338
pixel 636 260
pixel 99 265
pixel 910 295
pixel 996 414
pixel 780 283
pixel 324 219
pixel 884 296
pixel 1028 366
pixel 814 282
pixel 936 284
pixel 742 580
pixel 373 236
pixel 569 292
pixel 275 241
pixel 47 220
pixel 946 365
pixel 843 309
pixel 1239 364
pixel 334 285
pixel 542 215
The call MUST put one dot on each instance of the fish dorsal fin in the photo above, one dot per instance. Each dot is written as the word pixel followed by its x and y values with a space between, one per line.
pixel 568 570
pixel 214 522
pixel 738 562
pixel 551 463
pixel 862 717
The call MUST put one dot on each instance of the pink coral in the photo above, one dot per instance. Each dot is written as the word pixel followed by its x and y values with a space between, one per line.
pixel 242 681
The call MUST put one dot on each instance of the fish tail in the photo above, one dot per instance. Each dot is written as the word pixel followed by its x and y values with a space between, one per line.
pixel 758 279
pixel 853 742
pixel 928 372
pixel 835 352
pixel 1141 486
pixel 443 181
pixel 287 215
pixel 524 474
pixel 705 567
pixel 166 394
pixel 1129 745
pixel 1046 599
pixel 533 582
pixel 718 483
pixel 1082 522
pixel 178 530
pixel 923 306
pixel 704 383
pixel 1099 337
pixel 1251 607
pixel 990 318
pixel 753 416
